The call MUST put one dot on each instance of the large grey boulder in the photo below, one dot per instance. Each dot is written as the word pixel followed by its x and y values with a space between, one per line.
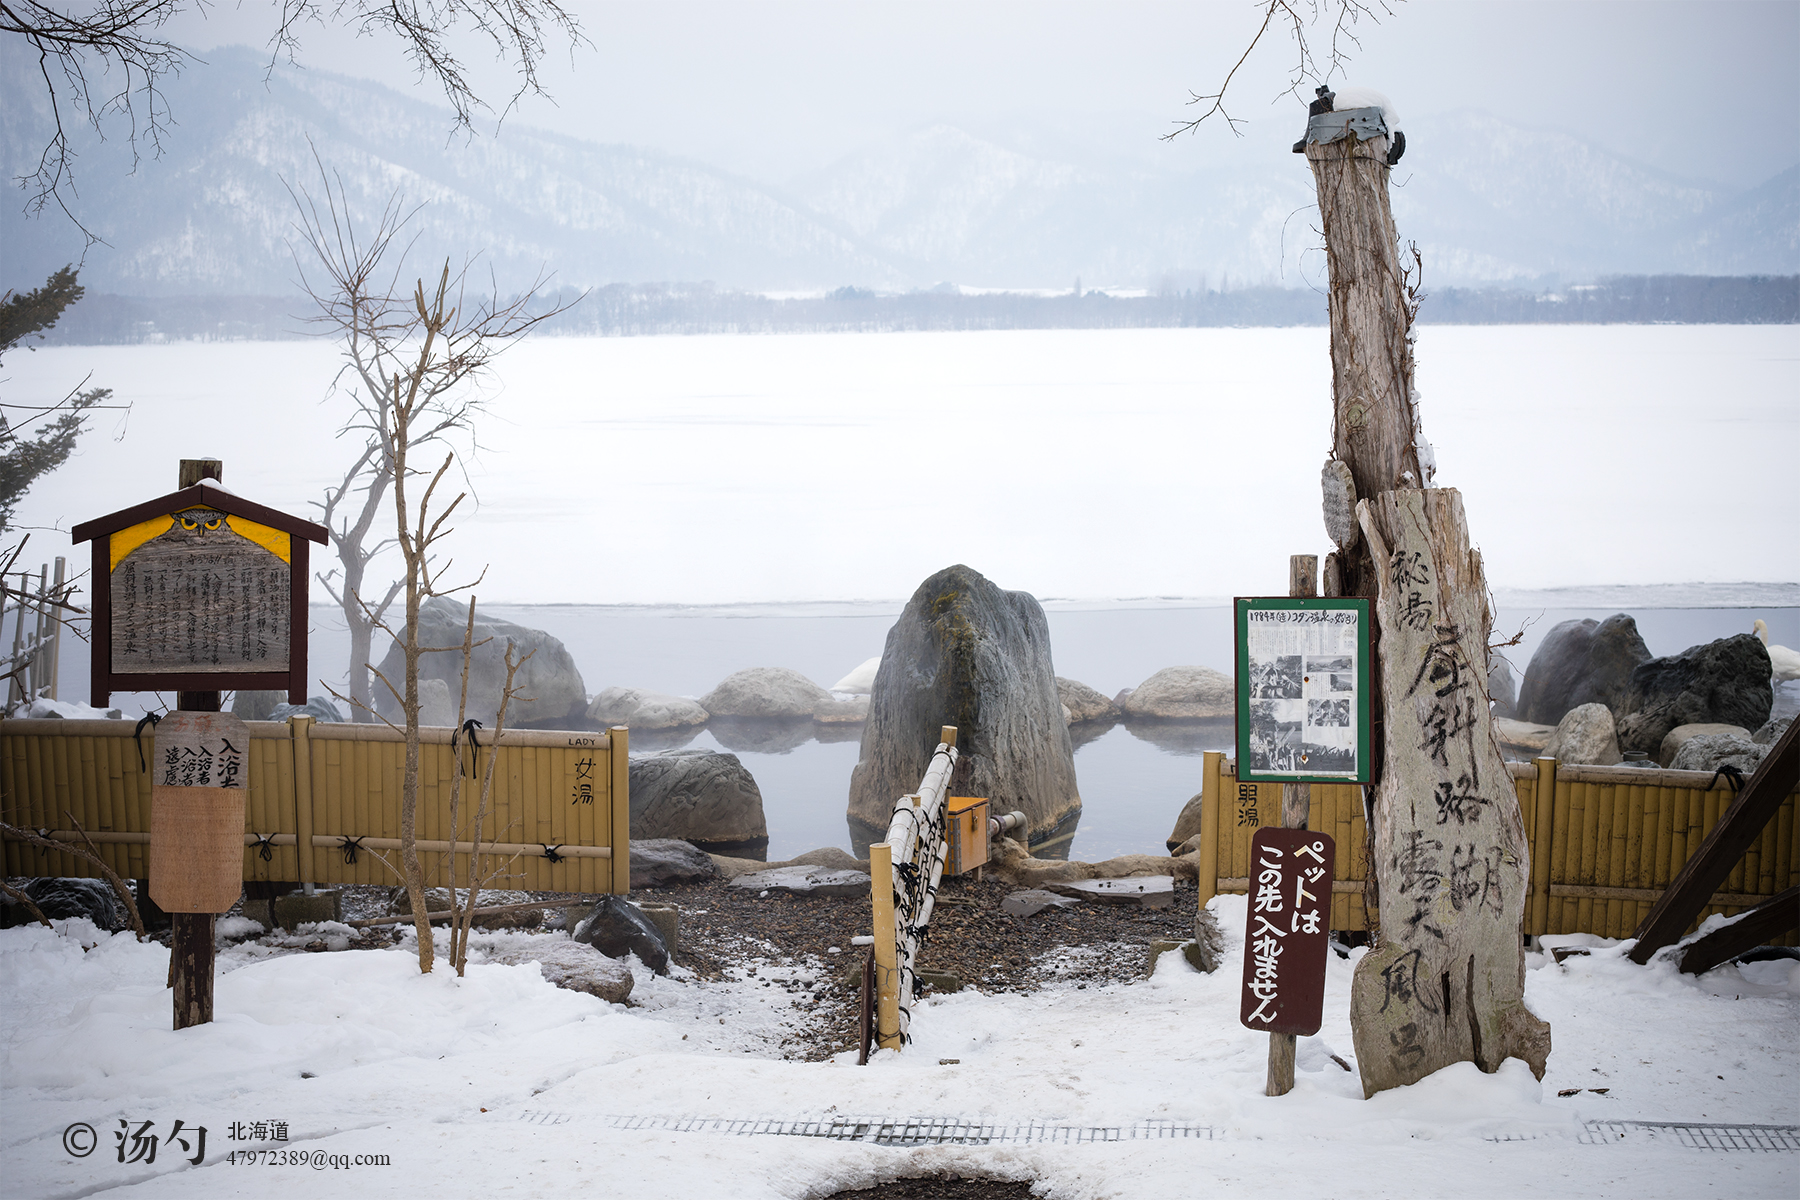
pixel 1581 662
pixel 664 862
pixel 1710 751
pixel 1503 689
pixel 548 677
pixel 766 692
pixel 1726 682
pixel 966 653
pixel 1183 694
pixel 1084 703
pixel 1680 735
pixel 700 796
pixel 256 705
pixel 1585 735
pixel 644 710
pixel 62 899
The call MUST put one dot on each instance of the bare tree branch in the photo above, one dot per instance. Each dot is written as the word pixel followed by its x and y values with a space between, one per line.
pixel 1298 17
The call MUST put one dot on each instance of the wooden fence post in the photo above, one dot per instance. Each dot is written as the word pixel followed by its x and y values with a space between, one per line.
pixel 887 967
pixel 1211 791
pixel 300 729
pixel 619 756
pixel 1543 832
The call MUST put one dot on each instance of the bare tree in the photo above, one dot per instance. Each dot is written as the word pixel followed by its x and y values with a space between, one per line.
pixel 111 59
pixel 1300 18
pixel 416 358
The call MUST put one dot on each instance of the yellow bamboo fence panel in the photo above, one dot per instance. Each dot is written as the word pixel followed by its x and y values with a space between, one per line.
pixel 558 820
pixel 1604 841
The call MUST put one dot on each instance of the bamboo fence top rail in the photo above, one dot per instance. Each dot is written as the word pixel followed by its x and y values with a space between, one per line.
pixel 1579 773
pixel 577 739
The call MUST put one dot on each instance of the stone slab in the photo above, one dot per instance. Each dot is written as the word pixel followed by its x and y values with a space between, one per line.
pixel 806 881
pixel 1031 901
pixel 1145 891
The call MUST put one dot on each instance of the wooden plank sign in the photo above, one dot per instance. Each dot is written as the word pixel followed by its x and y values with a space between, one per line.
pixel 200 590
pixel 1288 932
pixel 199 779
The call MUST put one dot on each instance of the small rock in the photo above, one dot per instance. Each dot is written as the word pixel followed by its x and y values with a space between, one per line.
pixel 861 681
pixel 1771 731
pixel 1031 901
pixel 1183 694
pixel 1522 740
pixel 1207 950
pixel 1145 891
pixel 63 899
pixel 615 927
pixel 644 710
pixel 1084 703
pixel 1585 736
pixel 806 881
pixel 1678 736
pixel 574 966
pixel 664 862
pixel 765 692
pixel 319 708
pixel 842 712
pixel 1187 825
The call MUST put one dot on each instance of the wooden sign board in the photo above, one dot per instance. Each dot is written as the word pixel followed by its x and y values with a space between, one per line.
pixel 1303 695
pixel 200 590
pixel 199 778
pixel 1288 932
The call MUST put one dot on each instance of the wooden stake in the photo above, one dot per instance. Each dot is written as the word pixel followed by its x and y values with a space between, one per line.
pixel 1296 810
pixel 887 963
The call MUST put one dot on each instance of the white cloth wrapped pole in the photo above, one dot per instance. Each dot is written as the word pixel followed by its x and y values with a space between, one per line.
pixel 918 839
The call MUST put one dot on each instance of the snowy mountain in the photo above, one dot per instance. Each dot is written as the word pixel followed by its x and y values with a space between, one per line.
pixel 213 214
pixel 1485 201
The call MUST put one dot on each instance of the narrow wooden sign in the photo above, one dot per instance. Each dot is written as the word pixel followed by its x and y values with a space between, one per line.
pixel 198 783
pixel 1288 932
pixel 199 590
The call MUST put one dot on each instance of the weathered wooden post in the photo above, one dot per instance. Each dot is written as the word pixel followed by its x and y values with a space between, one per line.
pixel 1446 983
pixel 1296 808
pixel 195 592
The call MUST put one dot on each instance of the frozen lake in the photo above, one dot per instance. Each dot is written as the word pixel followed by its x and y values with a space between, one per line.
pixel 676 509
pixel 1084 464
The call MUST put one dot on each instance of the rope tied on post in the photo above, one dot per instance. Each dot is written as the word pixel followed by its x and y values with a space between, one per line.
pixel 468 729
pixel 137 735
pixel 265 846
pixel 350 846
pixel 1734 778
pixel 550 852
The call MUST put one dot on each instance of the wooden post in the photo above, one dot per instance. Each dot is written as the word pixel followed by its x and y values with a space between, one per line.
pixel 1449 854
pixel 1543 825
pixel 1211 793
pixel 887 963
pixel 300 729
pixel 62 566
pixel 619 755
pixel 1296 809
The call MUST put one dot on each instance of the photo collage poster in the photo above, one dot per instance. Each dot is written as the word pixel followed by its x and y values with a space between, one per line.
pixel 1302 684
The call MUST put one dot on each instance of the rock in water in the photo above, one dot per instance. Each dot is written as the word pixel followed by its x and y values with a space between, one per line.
pixel 254 705
pixel 1726 682
pixel 966 653
pixel 1183 694
pixel 700 796
pixel 1503 690
pixel 1585 735
pixel 1187 825
pixel 1084 703
pixel 644 710
pixel 616 928
pixel 548 677
pixel 663 862
pixel 766 692
pixel 1581 662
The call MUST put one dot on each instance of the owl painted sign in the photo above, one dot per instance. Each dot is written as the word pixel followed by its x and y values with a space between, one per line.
pixel 199 590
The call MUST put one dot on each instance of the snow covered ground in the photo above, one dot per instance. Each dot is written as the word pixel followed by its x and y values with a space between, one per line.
pixel 498 1084
pixel 1068 463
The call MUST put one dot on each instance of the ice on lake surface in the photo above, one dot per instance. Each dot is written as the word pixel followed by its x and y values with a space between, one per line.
pixel 771 500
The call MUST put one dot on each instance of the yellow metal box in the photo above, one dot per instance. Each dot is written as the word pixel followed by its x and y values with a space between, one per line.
pixel 968 817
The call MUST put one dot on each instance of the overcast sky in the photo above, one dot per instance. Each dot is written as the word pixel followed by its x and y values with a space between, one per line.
pixel 775 89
